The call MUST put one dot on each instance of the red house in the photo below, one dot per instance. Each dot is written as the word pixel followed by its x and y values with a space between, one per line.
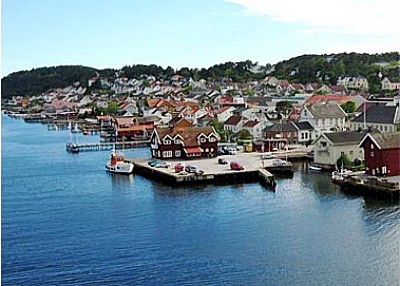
pixel 184 142
pixel 382 153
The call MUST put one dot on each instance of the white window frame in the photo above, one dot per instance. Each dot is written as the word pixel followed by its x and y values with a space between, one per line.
pixel 167 154
pixel 178 153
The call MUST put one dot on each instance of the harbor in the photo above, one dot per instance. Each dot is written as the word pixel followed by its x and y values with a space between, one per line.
pixel 93 221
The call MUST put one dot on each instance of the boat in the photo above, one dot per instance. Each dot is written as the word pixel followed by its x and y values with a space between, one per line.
pixel 339 176
pixel 75 129
pixel 118 165
pixel 72 147
pixel 315 168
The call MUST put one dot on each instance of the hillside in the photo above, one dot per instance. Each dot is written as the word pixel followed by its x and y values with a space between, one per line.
pixel 305 68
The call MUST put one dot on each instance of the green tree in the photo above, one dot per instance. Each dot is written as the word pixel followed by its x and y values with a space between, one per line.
pixel 112 107
pixel 348 106
pixel 244 134
pixel 343 161
pixel 284 107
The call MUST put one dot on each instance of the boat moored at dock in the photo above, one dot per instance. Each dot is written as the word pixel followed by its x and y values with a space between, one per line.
pixel 118 165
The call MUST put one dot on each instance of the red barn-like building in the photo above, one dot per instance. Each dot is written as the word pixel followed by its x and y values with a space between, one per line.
pixel 382 153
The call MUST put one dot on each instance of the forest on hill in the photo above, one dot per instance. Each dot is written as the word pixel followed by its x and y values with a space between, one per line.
pixel 303 69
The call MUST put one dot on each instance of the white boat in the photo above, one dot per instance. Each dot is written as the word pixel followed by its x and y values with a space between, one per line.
pixel 339 176
pixel 118 165
pixel 75 129
pixel 315 168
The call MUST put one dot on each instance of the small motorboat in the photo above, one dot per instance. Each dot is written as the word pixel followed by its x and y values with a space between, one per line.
pixel 339 176
pixel 118 165
pixel 314 168
pixel 72 147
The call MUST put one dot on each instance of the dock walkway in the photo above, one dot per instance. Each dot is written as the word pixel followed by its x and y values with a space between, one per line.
pixel 106 146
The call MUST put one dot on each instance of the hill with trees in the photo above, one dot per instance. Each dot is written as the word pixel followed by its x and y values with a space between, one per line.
pixel 303 69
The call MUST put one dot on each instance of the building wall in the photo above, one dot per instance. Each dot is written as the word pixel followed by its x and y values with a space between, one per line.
pixel 381 162
pixel 380 126
pixel 330 154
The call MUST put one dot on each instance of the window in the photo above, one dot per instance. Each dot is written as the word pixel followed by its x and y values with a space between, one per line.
pixel 302 135
pixel 323 144
pixel 213 139
pixel 177 153
pixel 167 154
pixel 351 152
pixel 203 140
pixel 372 146
pixel 371 154
pixel 167 142
pixel 386 128
pixel 177 141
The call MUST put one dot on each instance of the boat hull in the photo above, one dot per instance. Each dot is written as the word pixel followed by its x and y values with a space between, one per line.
pixel 120 168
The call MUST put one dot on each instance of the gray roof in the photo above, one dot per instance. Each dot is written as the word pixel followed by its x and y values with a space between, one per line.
pixel 305 125
pixel 285 126
pixel 386 140
pixel 326 110
pixel 345 137
pixel 379 114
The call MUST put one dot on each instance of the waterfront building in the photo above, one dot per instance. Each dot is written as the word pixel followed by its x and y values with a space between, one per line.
pixel 330 146
pixel 184 142
pixel 382 153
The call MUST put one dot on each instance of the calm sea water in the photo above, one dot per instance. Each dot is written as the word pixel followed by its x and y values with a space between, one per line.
pixel 65 221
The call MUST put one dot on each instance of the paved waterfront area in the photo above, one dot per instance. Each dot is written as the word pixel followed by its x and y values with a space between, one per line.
pixel 250 161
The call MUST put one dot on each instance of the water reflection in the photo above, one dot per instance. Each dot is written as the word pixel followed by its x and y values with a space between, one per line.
pixel 122 182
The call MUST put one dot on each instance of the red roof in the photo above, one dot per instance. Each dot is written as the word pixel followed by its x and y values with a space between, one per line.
pixel 329 97
pixel 191 150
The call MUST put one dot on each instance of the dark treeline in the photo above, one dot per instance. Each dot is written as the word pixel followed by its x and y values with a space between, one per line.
pixel 303 69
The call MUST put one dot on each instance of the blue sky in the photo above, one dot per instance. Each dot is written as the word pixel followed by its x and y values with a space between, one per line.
pixel 192 33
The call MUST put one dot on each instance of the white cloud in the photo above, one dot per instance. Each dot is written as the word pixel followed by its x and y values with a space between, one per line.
pixel 351 17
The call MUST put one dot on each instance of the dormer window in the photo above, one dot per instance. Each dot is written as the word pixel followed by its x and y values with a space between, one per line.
pixel 167 142
pixel 177 141
pixel 213 139
pixel 203 140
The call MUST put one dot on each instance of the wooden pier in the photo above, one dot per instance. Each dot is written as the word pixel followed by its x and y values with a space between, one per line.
pixel 105 146
pixel 371 186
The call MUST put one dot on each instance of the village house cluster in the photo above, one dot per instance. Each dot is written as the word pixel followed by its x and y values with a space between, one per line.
pixel 184 118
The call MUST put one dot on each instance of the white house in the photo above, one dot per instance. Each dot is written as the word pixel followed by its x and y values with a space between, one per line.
pixel 224 113
pixel 329 147
pixel 324 116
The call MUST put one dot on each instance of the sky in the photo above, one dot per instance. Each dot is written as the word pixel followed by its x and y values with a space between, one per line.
pixel 189 33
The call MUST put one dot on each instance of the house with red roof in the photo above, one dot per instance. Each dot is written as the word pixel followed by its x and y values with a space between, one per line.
pixel 234 123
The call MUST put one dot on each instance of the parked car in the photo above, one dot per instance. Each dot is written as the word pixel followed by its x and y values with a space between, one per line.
pixel 164 164
pixel 236 166
pixel 154 162
pixel 227 150
pixel 179 167
pixel 222 161
pixel 192 169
